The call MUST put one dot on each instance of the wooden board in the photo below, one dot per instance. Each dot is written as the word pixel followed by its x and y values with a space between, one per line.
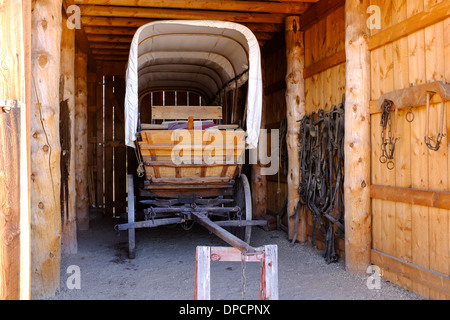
pixel 184 112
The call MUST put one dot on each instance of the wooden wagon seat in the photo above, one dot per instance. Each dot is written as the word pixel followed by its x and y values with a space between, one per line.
pixel 171 113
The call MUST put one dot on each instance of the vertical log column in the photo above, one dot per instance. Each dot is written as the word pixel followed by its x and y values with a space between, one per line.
pixel 69 227
pixel 45 148
pixel 13 157
pixel 357 138
pixel 81 141
pixel 295 105
pixel 259 190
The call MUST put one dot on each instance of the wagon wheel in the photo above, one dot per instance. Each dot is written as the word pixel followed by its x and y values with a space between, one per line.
pixel 243 199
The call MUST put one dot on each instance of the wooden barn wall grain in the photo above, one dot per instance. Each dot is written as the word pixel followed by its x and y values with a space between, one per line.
pixel 325 76
pixel 411 241
pixel 274 112
pixel 325 62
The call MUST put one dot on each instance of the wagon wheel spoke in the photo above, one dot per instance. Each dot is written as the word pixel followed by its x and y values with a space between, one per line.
pixel 243 200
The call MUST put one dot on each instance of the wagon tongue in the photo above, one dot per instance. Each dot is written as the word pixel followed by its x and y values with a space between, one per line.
pixel 223 234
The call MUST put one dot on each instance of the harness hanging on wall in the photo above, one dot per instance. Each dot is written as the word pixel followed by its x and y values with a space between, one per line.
pixel 389 128
pixel 322 174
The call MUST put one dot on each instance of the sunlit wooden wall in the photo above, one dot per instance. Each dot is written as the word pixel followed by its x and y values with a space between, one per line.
pixel 411 242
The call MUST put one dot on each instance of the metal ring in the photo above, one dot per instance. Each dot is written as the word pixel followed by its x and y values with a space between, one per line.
pixel 408 118
pixel 391 165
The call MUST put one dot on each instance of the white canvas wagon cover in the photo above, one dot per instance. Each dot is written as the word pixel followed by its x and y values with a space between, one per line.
pixel 202 56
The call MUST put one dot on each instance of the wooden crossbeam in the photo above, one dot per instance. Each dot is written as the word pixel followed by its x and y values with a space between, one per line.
pixel 152 13
pixel 110 58
pixel 109 45
pixel 138 22
pixel 110 52
pixel 109 38
pixel 124 31
pixel 217 5
pixel 324 64
pixel 184 112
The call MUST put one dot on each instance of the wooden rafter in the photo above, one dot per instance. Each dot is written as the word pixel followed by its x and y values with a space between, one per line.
pixel 110 31
pixel 91 22
pixel 152 13
pixel 107 45
pixel 109 25
pixel 285 7
pixel 109 38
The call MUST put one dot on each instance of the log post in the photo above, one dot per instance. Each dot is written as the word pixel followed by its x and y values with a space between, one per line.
pixel 258 180
pixel 295 106
pixel 357 138
pixel 45 148
pixel 259 189
pixel 14 158
pixel 68 190
pixel 81 140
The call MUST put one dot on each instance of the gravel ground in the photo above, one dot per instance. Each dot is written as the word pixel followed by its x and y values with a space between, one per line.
pixel 164 269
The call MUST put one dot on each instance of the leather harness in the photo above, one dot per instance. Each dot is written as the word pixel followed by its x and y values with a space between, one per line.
pixel 322 174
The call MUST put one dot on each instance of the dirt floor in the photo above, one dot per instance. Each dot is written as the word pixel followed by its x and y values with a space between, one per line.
pixel 164 268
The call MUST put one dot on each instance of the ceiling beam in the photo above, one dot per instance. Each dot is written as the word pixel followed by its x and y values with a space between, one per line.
pixel 110 58
pixel 127 38
pixel 111 52
pixel 109 38
pixel 150 13
pixel 290 7
pixel 109 45
pixel 93 21
pixel 110 30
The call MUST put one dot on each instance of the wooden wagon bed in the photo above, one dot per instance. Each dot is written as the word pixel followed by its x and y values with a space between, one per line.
pixel 190 162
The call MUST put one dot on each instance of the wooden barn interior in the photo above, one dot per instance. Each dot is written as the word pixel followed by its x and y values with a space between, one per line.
pixel 64 158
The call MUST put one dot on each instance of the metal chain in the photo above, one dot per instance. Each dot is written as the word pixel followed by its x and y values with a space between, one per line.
pixel 387 144
pixel 243 278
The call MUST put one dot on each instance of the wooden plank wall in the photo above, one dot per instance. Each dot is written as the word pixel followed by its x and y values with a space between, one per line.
pixel 274 112
pixel 411 242
pixel 114 147
pixel 107 151
pixel 325 62
pixel 325 76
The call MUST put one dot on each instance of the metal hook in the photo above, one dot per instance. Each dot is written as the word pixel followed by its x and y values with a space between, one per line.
pixel 440 134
